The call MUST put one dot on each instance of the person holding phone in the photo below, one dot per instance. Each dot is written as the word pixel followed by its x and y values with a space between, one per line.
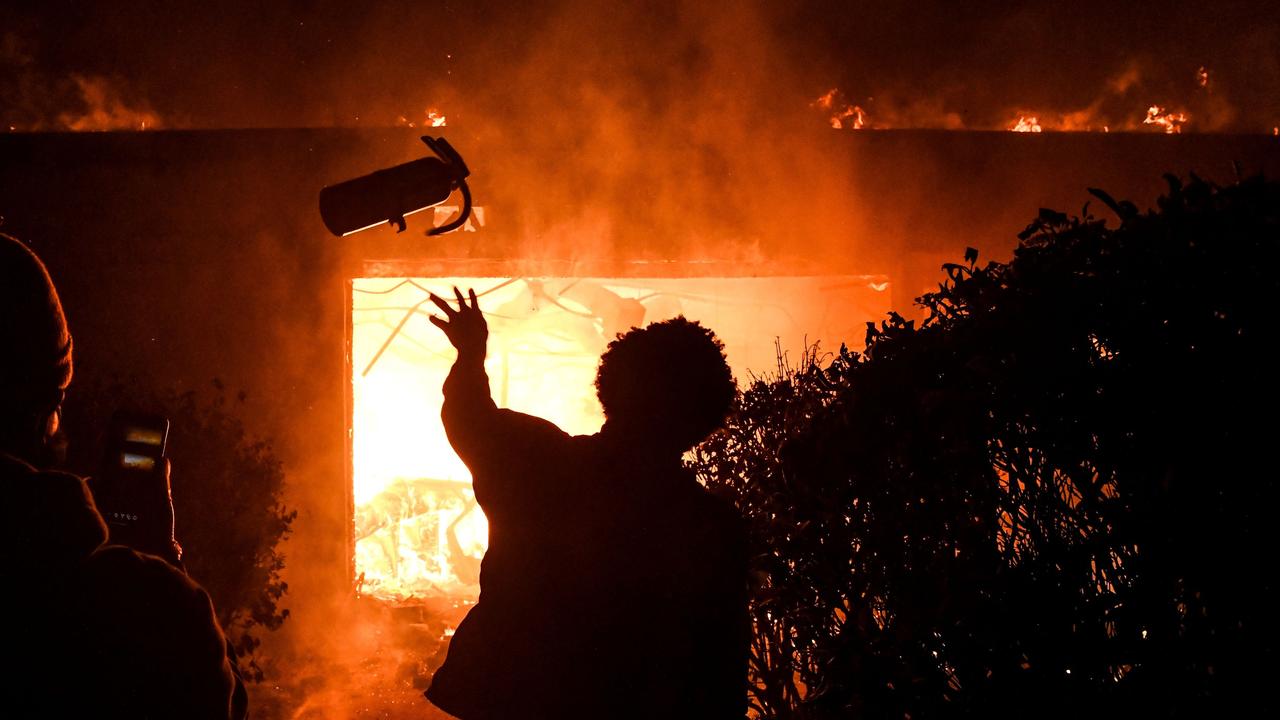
pixel 94 629
pixel 132 488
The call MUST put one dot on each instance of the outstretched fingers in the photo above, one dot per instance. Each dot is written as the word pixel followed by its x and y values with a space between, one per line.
pixel 444 306
pixel 449 313
pixel 452 316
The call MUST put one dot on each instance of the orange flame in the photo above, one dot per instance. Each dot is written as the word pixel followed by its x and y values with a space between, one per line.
pixel 1172 122
pixel 859 118
pixel 1026 123
pixel 432 117
pixel 848 116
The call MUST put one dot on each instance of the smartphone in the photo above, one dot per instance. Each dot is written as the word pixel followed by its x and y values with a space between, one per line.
pixel 135 448
pixel 137 441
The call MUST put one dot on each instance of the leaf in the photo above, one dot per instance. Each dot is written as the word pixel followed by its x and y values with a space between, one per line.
pixel 1052 217
pixel 1123 210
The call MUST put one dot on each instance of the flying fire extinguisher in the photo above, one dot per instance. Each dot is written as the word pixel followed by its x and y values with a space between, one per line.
pixel 390 194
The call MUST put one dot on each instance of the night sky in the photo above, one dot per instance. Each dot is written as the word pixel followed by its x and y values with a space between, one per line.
pixel 979 65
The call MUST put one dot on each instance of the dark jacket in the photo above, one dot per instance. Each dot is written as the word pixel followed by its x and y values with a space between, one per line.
pixel 99 630
pixel 614 585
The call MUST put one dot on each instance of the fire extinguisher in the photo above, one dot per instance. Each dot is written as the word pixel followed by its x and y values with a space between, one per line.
pixel 390 194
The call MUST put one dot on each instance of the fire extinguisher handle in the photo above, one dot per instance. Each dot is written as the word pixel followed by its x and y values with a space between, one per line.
pixel 462 216
pixel 448 155
pixel 455 163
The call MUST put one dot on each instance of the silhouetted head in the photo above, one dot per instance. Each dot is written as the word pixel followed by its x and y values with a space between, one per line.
pixel 666 385
pixel 35 352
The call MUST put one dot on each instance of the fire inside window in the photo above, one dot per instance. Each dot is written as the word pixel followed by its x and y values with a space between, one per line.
pixel 417 529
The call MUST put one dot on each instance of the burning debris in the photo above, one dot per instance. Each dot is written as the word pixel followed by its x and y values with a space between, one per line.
pixel 843 115
pixel 432 117
pixel 420 537
pixel 1112 109
pixel 1172 122
pixel 851 117
pixel 1026 123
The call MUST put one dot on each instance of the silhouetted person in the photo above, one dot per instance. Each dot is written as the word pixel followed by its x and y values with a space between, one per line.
pixel 614 585
pixel 92 630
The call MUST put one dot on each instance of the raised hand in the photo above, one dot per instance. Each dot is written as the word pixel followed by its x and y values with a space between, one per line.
pixel 465 327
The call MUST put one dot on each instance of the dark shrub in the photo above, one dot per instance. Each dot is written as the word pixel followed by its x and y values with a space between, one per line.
pixel 1053 495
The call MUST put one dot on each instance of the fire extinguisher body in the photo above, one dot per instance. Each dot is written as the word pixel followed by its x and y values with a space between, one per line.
pixel 385 195
pixel 390 194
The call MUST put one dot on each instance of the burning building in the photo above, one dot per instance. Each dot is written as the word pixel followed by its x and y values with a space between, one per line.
pixel 785 172
pixel 187 255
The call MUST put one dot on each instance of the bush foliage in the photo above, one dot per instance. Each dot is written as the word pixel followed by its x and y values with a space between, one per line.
pixel 227 497
pixel 1052 495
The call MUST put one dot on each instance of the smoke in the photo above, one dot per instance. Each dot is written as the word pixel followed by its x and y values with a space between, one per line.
pixel 688 133
pixel 104 108
pixel 924 63
pixel 34 100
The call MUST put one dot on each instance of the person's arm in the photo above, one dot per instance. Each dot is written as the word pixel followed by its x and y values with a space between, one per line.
pixel 496 444
pixel 155 536
pixel 160 649
pixel 469 410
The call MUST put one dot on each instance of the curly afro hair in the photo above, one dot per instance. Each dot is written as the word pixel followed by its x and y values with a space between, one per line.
pixel 669 378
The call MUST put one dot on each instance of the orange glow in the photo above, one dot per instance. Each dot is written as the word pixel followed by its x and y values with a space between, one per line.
pixel 826 100
pixel 418 531
pixel 1026 123
pixel 432 117
pixel 1172 122
pixel 105 109
pixel 1086 119
pixel 1097 116
pixel 848 116
pixel 851 117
